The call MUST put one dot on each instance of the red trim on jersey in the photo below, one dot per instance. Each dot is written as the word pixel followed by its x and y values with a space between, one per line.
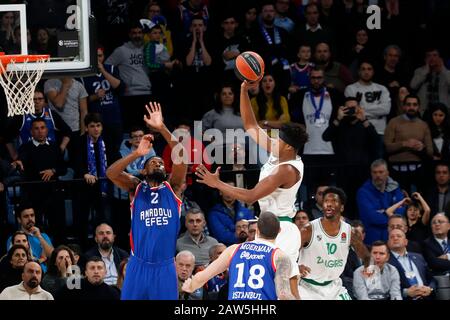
pixel 274 267
pixel 178 200
pixel 235 250
pixel 131 243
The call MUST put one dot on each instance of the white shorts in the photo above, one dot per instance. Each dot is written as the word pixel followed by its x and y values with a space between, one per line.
pixel 289 240
pixel 332 291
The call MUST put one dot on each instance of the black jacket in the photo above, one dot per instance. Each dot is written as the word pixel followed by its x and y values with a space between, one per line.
pixel 89 292
pixel 431 251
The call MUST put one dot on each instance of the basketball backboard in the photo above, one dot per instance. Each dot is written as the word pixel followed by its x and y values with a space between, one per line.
pixel 64 29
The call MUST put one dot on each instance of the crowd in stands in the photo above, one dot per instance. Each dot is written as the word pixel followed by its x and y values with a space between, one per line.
pixel 374 102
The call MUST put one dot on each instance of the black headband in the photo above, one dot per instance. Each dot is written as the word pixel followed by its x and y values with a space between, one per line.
pixel 293 143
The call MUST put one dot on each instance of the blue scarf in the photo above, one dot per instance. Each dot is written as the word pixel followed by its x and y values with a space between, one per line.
pixel 92 166
pixel 277 38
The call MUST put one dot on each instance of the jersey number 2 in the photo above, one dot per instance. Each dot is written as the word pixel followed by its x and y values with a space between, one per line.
pixel 255 281
pixel 154 196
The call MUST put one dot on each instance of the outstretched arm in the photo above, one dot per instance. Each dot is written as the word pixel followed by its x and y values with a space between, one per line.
pixel 155 121
pixel 283 177
pixel 360 248
pixel 248 117
pixel 217 266
pixel 282 280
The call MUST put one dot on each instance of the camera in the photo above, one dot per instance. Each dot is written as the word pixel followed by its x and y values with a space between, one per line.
pixel 350 111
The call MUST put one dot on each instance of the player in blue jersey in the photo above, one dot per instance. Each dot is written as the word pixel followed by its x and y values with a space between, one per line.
pixel 155 216
pixel 257 269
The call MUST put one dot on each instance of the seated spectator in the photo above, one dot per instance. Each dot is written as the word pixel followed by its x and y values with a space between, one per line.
pixel 301 69
pixel 92 287
pixel 220 280
pixel 241 230
pixel 400 222
pixel 373 198
pixel 383 283
pixel 122 273
pixel 194 239
pixel 103 90
pixel 432 81
pixel 186 204
pixel 223 217
pixel 252 227
pixel 436 248
pixel 269 106
pixel 110 254
pixel 29 288
pixel 185 264
pixel 59 269
pixel 58 131
pixel 91 164
pixel 301 219
pixel 40 243
pixel 78 256
pixel 438 196
pixel 20 237
pixel 416 281
pixel 131 144
pixel 11 267
pixel 438 121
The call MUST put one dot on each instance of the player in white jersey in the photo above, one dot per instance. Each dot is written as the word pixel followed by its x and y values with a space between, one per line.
pixel 279 180
pixel 325 245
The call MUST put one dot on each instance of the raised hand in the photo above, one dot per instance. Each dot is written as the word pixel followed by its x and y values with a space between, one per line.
pixel 154 119
pixel 206 177
pixel 145 145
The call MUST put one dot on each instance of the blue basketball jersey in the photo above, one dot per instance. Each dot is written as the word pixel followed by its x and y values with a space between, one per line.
pixel 155 222
pixel 252 272
pixel 25 134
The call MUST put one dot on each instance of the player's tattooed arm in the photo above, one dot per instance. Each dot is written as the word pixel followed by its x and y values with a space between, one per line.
pixel 282 280
pixel 360 248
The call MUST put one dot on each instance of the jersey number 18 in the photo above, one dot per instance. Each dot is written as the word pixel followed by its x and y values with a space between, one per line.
pixel 255 281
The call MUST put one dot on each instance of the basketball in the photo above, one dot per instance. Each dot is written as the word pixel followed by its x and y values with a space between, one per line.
pixel 249 66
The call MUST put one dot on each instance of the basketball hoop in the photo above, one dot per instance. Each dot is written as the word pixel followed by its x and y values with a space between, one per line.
pixel 19 80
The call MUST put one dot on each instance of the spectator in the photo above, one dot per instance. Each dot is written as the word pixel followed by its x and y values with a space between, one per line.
pixel 129 59
pixel 400 222
pixel 11 267
pixel 58 131
pixel 416 281
pixel 122 273
pixel 408 143
pixel 59 269
pixel 353 261
pixel 436 248
pixel 361 50
pixel 418 218
pixel 223 217
pixel 92 287
pixel 78 256
pixel 270 107
pixel 152 12
pixel 42 160
pixel 314 207
pixel 68 98
pixel 439 123
pixel 103 89
pixel 188 11
pixel 301 69
pixel 301 219
pixel 374 99
pixel 110 254
pixel 186 204
pixel 40 243
pixel 43 42
pixel 20 237
pixel 374 197
pixel 336 75
pixel 271 42
pixel 314 107
pixel 217 282
pixel 381 284
pixel 438 196
pixel 29 288
pixel 252 227
pixel 241 230
pixel 312 32
pixel 352 136
pixel 7 38
pixel 282 19
pixel 91 166
pixel 248 24
pixel 185 263
pixel 432 81
pixel 195 240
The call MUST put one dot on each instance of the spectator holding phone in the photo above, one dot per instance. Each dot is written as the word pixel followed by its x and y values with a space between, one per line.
pixel 352 136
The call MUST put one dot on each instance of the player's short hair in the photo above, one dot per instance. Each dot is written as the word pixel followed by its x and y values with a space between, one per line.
pixel 268 225
pixel 335 190
pixel 294 134
pixel 92 118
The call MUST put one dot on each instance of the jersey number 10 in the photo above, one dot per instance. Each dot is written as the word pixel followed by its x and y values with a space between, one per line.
pixel 255 281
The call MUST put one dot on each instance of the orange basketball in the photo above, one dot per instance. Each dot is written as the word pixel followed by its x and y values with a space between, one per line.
pixel 249 66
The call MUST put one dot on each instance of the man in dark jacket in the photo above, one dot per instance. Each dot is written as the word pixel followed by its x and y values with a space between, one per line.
pixel 223 216
pixel 110 254
pixel 436 248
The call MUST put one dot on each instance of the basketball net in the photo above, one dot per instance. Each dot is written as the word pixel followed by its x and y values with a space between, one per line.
pixel 19 80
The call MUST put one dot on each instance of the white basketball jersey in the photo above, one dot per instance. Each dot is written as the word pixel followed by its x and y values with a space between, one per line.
pixel 326 256
pixel 281 202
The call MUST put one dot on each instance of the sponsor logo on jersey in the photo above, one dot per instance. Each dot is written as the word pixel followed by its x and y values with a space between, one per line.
pixel 319 237
pixel 343 237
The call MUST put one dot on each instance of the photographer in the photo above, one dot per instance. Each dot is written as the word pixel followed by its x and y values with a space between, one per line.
pixel 352 136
